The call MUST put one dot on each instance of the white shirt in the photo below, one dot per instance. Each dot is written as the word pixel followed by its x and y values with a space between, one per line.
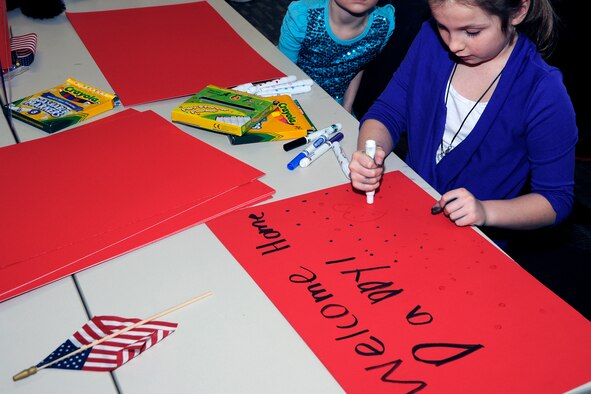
pixel 458 108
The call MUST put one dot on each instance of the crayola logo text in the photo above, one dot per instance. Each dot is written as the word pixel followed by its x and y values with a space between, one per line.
pixel 83 95
pixel 288 115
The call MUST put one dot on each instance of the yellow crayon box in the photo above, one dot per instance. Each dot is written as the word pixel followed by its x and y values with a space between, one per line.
pixel 287 121
pixel 63 105
pixel 223 110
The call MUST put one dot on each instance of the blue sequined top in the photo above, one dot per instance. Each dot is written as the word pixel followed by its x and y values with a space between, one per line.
pixel 307 40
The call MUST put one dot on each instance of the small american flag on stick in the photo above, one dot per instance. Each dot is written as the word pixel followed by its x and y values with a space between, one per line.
pixel 112 353
pixel 107 342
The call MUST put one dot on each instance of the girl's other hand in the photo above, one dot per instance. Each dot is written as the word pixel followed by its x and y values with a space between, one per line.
pixel 461 207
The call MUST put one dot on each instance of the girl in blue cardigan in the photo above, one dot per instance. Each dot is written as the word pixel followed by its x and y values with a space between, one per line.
pixel 490 124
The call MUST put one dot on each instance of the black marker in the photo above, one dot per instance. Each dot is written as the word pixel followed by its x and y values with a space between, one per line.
pixel 436 209
pixel 311 137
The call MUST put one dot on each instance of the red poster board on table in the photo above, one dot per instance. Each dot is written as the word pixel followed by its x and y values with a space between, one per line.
pixel 395 300
pixel 155 53
pixel 79 197
pixel 5 56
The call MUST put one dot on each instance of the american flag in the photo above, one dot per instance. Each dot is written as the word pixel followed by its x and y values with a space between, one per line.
pixel 23 49
pixel 112 353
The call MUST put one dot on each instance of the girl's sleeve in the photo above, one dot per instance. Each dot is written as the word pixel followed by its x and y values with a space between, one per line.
pixel 388 12
pixel 551 141
pixel 390 108
pixel 293 30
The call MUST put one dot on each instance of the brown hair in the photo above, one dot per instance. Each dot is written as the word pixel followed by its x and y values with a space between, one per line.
pixel 538 25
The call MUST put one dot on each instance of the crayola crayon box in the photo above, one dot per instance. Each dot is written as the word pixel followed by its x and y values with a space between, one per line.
pixel 222 110
pixel 63 105
pixel 287 121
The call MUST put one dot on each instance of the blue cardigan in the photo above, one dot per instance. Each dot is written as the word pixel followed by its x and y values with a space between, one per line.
pixel 523 142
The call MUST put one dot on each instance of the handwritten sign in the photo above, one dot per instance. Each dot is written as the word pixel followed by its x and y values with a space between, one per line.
pixel 393 299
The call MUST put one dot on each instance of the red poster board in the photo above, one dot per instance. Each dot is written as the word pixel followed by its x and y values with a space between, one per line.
pixel 5 56
pixel 395 300
pixel 76 198
pixel 156 53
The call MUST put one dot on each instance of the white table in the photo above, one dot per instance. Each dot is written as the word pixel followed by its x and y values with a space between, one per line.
pixel 235 341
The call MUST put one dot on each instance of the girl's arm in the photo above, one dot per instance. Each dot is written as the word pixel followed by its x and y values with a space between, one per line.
pixel 526 212
pixel 293 30
pixel 351 92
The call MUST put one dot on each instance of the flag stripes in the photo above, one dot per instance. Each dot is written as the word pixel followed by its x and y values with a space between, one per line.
pixel 23 48
pixel 114 352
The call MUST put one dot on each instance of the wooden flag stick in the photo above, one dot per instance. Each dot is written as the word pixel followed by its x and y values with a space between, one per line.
pixel 25 373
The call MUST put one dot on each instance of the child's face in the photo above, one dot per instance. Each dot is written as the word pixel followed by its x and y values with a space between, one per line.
pixel 474 36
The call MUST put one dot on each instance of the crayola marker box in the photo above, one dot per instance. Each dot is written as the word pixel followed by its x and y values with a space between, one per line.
pixel 63 105
pixel 222 110
pixel 287 121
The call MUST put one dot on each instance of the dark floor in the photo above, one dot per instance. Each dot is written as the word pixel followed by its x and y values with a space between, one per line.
pixel 559 257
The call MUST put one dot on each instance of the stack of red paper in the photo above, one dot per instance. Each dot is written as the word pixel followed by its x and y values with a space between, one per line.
pixel 79 197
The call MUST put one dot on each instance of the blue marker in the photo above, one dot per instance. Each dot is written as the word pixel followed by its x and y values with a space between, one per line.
pixel 325 147
pixel 292 165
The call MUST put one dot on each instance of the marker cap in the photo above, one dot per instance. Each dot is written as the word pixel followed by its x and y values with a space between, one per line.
pixel 292 165
pixel 305 162
pixel 295 144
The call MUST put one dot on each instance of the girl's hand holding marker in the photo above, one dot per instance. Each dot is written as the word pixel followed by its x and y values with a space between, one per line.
pixel 367 167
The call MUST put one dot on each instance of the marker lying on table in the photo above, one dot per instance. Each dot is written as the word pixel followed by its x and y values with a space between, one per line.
pixel 244 87
pixel 370 150
pixel 437 209
pixel 292 165
pixel 275 82
pixel 281 90
pixel 286 87
pixel 301 82
pixel 341 158
pixel 312 136
pixel 253 87
pixel 322 149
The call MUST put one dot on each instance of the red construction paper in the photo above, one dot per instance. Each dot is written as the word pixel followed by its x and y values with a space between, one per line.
pixel 242 196
pixel 5 56
pixel 393 299
pixel 155 53
pixel 79 192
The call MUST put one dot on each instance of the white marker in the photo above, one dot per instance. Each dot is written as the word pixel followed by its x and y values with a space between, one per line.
pixel 289 90
pixel 275 82
pixel 341 158
pixel 370 150
pixel 244 87
pixel 303 82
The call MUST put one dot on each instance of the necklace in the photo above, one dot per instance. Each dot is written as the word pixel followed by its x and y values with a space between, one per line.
pixel 442 152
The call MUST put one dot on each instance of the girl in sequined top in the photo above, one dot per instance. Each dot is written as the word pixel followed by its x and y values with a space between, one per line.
pixel 332 40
